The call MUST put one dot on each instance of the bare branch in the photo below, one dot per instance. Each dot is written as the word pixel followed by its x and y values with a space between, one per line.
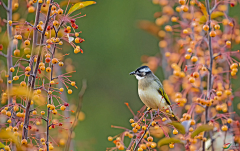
pixel 81 93
pixel 4 6
pixel 2 54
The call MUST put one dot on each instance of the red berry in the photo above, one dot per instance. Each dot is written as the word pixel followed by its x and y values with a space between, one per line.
pixel 48 27
pixel 73 21
pixel 60 124
pixel 76 27
pixel 66 104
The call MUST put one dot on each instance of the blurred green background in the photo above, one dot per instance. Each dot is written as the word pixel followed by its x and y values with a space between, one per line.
pixel 113 48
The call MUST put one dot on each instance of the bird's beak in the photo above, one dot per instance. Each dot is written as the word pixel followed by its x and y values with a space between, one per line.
pixel 132 73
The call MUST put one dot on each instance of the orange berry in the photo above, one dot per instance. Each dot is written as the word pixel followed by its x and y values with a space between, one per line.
pixel 228 43
pixel 168 28
pixel 31 9
pixel 54 112
pixel 63 107
pixel 164 119
pixel 187 56
pixel 229 120
pixel 206 27
pixel 42 68
pixel 27 42
pixel 69 91
pixel 219 93
pixel 73 83
pixel 184 8
pixel 48 69
pixel 12 69
pixel 24 142
pixel 185 31
pixel 54 60
pixel 110 138
pixel 55 23
pixel 167 54
pixel 189 50
pixel 61 89
pixel 28 68
pixel 191 80
pixel 8 113
pixel 34 112
pixel 224 128
pixel 195 74
pixel 171 145
pixel 23 83
pixel 60 11
pixel 182 2
pixel 175 132
pixel 212 34
pixel 16 52
pixel 194 59
pixel 150 139
pixel 153 145
pixel 15 78
pixel 217 27
pixel 228 92
pixel 42 112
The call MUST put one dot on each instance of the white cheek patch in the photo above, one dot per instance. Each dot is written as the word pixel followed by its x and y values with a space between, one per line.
pixel 138 77
pixel 145 70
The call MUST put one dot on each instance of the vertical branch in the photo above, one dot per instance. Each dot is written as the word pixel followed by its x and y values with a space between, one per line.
pixel 210 65
pixel 63 95
pixel 35 38
pixel 49 88
pixel 81 93
pixel 32 84
pixel 10 50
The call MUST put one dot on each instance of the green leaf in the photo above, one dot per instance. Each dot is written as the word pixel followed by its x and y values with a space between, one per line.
pixel 80 5
pixel 178 126
pixel 202 128
pixel 2 145
pixel 166 141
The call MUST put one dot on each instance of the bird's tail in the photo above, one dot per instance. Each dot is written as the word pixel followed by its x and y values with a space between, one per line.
pixel 173 117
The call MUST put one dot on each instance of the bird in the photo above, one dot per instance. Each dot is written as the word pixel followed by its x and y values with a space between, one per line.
pixel 151 92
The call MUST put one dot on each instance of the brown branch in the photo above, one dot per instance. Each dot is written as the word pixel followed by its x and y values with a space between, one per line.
pixel 32 84
pixel 209 69
pixel 80 95
pixel 139 141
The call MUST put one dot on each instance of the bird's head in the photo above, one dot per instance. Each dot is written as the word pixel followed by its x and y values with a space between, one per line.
pixel 141 72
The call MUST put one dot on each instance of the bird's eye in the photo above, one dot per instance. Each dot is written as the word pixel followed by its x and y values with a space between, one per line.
pixel 144 73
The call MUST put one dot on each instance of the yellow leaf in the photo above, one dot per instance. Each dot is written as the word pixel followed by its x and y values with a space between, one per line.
pixel 202 128
pixel 203 8
pixel 80 5
pixel 2 145
pixel 178 126
pixel 166 141
pixel 9 135
pixel 217 14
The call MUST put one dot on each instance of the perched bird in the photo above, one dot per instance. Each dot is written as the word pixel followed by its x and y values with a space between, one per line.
pixel 150 91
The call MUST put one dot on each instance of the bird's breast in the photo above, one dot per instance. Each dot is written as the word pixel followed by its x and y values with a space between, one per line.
pixel 152 99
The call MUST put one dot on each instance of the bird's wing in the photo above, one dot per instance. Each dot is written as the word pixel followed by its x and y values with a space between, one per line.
pixel 161 91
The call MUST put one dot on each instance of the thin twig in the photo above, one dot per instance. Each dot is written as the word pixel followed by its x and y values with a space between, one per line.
pixel 4 6
pixel 81 93
pixel 139 141
pixel 2 54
